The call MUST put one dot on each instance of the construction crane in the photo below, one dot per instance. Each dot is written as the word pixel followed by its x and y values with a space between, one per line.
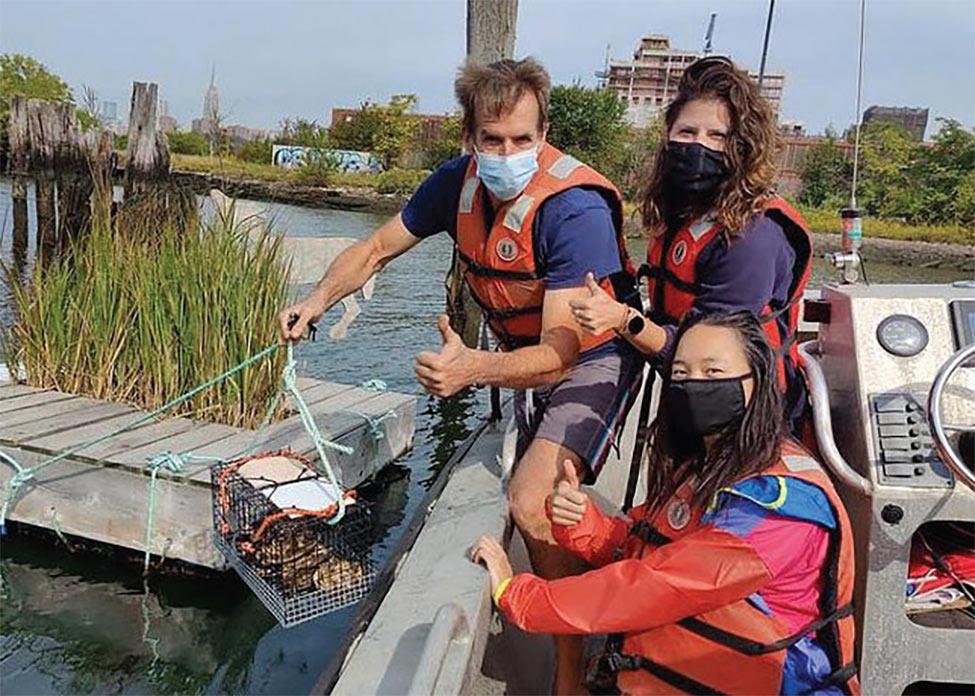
pixel 709 34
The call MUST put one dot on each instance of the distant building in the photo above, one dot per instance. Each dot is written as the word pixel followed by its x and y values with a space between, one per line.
pixel 167 124
pixel 210 119
pixel 648 83
pixel 914 121
pixel 108 111
pixel 241 134
pixel 792 129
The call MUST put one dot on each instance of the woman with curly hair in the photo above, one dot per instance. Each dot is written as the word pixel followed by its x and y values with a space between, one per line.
pixel 736 574
pixel 719 237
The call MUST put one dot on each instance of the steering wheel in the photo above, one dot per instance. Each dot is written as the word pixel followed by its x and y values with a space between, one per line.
pixel 944 447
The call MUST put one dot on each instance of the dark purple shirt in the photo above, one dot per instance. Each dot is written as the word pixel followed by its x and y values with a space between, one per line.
pixel 749 273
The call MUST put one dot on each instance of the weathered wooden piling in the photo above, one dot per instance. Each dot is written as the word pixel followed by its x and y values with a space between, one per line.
pixel 47 145
pixel 17 134
pixel 147 153
pixel 152 198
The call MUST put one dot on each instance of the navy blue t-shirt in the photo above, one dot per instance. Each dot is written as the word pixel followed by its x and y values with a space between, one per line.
pixel 573 229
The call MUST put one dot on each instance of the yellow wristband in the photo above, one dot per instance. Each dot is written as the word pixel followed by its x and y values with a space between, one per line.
pixel 499 590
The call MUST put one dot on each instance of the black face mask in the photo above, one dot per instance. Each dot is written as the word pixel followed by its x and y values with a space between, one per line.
pixel 700 407
pixel 692 169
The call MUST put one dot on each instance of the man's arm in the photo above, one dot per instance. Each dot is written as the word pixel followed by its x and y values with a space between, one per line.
pixel 544 363
pixel 348 272
pixel 456 366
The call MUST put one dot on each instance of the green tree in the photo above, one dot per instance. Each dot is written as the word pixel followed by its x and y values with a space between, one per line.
pixel 299 131
pixel 588 124
pixel 943 175
pixel 188 143
pixel 385 129
pixel 886 187
pixel 826 174
pixel 445 146
pixel 259 151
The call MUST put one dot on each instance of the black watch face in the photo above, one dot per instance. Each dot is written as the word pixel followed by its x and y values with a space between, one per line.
pixel 636 325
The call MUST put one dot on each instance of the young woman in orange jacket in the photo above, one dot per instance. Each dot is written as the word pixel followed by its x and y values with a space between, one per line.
pixel 736 574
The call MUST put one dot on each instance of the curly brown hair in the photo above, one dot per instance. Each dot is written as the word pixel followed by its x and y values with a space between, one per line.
pixel 750 148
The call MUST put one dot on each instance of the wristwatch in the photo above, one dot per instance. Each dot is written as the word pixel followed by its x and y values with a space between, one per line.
pixel 633 323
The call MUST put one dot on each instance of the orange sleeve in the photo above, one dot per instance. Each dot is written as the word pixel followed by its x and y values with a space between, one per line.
pixel 702 571
pixel 594 537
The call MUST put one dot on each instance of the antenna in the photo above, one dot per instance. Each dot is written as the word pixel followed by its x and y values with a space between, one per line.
pixel 709 34
pixel 768 32
pixel 848 259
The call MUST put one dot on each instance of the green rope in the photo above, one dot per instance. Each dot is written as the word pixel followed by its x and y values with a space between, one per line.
pixel 289 382
pixel 25 474
pixel 375 385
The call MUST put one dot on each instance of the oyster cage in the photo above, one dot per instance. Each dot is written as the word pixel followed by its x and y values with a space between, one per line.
pixel 297 564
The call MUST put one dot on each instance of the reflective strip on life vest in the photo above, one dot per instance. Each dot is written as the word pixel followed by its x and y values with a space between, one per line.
pixel 564 166
pixel 466 203
pixel 514 219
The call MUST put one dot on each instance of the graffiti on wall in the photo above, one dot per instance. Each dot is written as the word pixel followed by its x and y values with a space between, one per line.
pixel 352 161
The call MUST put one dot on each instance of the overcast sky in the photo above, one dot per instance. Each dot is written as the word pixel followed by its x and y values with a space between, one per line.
pixel 280 59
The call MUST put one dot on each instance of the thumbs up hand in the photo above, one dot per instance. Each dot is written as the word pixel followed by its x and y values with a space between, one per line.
pixel 567 501
pixel 597 312
pixel 451 369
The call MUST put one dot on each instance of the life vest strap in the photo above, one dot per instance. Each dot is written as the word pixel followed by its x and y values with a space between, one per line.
pixel 838 677
pixel 646 532
pixel 747 646
pixel 615 662
pixel 478 269
pixel 661 273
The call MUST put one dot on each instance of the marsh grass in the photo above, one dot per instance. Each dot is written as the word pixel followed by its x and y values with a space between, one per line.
pixel 143 312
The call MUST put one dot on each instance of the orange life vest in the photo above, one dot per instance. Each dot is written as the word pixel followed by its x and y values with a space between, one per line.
pixel 673 285
pixel 498 257
pixel 737 648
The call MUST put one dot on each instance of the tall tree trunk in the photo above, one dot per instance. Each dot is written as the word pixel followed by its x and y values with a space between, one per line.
pixel 490 37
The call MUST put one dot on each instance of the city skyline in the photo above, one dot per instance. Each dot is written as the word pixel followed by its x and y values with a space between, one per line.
pixel 323 60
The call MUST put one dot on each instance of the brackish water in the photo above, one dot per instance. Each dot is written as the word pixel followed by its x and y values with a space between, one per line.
pixel 73 622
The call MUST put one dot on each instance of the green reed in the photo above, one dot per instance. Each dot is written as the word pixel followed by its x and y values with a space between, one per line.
pixel 145 313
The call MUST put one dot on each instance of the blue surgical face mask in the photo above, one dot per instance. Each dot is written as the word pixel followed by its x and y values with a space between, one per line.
pixel 507 175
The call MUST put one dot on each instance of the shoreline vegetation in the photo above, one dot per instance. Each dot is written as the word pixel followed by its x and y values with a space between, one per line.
pixel 125 314
pixel 891 241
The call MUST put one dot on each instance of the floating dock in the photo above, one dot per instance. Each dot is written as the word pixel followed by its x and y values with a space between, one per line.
pixel 101 493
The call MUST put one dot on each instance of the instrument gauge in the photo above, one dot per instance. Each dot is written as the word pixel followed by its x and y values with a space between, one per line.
pixel 902 335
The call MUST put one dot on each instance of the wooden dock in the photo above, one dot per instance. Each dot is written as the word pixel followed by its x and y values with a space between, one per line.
pixel 102 493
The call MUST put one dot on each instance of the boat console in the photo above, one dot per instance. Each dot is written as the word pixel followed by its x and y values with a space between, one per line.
pixel 892 383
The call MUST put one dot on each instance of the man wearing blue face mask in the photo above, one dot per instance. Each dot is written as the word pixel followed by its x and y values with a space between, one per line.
pixel 529 223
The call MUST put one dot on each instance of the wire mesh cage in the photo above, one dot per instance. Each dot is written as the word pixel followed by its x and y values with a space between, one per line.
pixel 271 514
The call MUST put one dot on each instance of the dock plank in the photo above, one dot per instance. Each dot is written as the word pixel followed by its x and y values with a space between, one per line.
pixel 68 424
pixel 191 441
pixel 149 434
pixel 9 390
pixel 50 410
pixel 29 400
